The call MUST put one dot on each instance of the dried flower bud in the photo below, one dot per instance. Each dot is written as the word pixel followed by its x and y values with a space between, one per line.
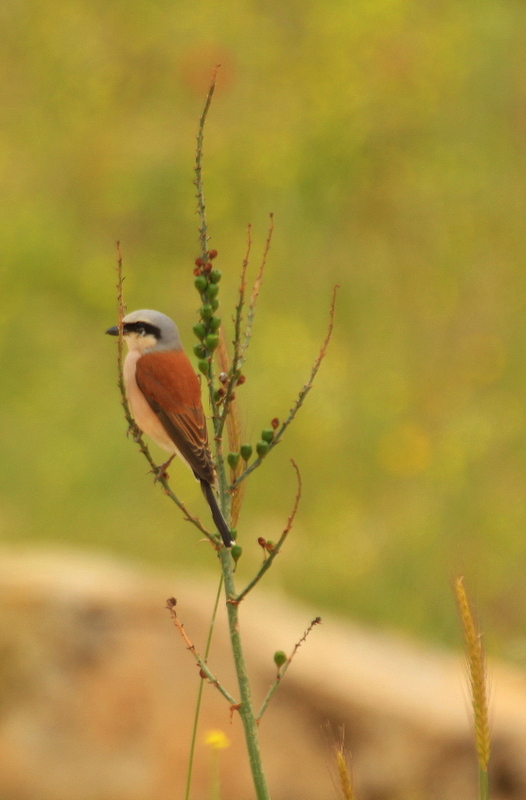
pixel 202 673
pixel 241 380
pixel 215 276
pixel 262 449
pixel 275 423
pixel 197 271
pixel 212 254
pixel 207 267
pixel 223 377
pixel 233 459
pixel 267 434
pixel 262 542
pixel 199 262
pixel 246 451
pixel 279 658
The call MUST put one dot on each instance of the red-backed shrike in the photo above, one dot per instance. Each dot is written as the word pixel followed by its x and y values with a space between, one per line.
pixel 164 394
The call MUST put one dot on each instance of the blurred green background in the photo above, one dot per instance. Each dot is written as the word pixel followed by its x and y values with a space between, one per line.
pixel 387 137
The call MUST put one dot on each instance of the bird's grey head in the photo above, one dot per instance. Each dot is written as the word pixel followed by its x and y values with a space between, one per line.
pixel 147 330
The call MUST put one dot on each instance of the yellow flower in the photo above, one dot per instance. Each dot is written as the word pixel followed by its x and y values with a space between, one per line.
pixel 217 740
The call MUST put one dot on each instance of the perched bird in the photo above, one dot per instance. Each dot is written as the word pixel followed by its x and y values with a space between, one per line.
pixel 164 394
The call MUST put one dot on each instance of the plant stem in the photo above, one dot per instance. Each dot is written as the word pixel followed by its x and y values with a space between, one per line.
pixel 200 694
pixel 246 710
pixel 483 784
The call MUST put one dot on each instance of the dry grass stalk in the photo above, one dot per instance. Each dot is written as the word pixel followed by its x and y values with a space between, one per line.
pixel 477 675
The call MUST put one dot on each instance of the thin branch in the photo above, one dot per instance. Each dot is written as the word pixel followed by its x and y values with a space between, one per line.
pixel 198 182
pixel 282 670
pixel 205 671
pixel 132 425
pixel 301 397
pixel 254 296
pixel 238 318
pixel 277 547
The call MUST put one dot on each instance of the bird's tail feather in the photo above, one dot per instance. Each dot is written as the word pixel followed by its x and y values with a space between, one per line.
pixel 217 516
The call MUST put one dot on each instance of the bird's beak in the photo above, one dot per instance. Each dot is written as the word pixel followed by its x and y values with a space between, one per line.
pixel 113 331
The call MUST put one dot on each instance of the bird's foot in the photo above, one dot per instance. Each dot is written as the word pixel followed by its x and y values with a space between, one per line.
pixel 160 471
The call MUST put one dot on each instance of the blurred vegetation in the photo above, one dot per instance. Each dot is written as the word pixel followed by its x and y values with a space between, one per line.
pixel 387 136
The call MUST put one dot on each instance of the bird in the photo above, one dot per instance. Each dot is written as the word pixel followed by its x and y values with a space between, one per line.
pixel 164 394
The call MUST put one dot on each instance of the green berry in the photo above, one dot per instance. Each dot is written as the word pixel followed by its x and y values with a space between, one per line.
pixel 246 451
pixel 206 312
pixel 203 366
pixel 200 283
pixel 215 305
pixel 236 552
pixel 200 350
pixel 214 323
pixel 199 330
pixel 233 459
pixel 267 435
pixel 279 658
pixel 212 290
pixel 262 449
pixel 215 276
pixel 211 341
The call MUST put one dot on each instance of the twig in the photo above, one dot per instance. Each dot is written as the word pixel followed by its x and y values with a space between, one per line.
pixel 170 605
pixel 284 668
pixel 132 425
pixel 255 294
pixel 198 182
pixel 277 547
pixel 238 317
pixel 301 397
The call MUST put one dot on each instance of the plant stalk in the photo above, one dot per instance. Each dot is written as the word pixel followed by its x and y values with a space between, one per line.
pixel 246 710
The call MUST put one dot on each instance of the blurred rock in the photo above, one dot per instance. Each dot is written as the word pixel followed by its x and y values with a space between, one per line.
pixel 97 693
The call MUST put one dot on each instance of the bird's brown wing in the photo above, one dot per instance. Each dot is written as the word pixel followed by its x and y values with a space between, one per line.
pixel 172 389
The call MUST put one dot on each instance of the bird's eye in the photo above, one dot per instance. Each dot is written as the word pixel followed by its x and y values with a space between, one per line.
pixel 141 332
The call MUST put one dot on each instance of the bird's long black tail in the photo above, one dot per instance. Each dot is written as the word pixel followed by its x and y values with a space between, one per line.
pixel 217 516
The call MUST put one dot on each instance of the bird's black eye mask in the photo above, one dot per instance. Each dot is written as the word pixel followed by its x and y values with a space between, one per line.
pixel 142 329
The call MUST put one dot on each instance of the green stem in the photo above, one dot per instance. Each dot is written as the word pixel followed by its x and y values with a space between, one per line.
pixel 246 710
pixel 483 784
pixel 200 694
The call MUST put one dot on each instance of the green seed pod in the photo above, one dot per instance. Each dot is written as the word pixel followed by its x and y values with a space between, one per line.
pixel 215 276
pixel 279 658
pixel 200 350
pixel 236 552
pixel 200 283
pixel 211 341
pixel 215 305
pixel 203 366
pixel 214 323
pixel 212 290
pixel 199 330
pixel 233 459
pixel 262 449
pixel 267 434
pixel 246 451
pixel 206 312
